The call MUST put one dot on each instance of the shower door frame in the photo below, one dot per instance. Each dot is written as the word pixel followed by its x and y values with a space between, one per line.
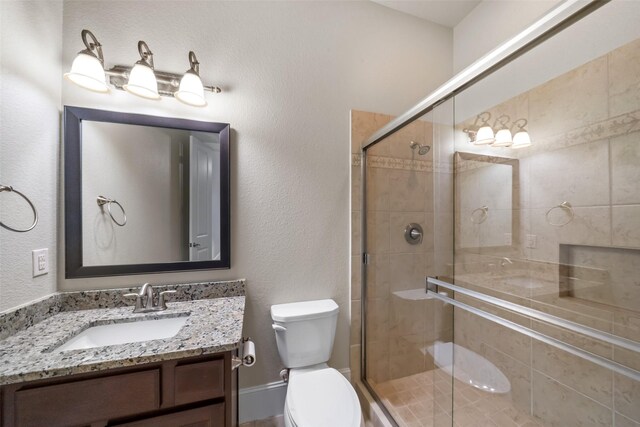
pixel 552 23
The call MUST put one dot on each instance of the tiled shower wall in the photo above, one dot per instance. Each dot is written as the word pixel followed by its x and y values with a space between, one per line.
pixel 400 190
pixel 585 128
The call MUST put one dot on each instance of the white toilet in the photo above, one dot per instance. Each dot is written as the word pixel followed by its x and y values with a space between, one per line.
pixel 317 395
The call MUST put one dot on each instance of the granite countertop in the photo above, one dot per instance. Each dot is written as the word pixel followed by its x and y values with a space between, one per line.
pixel 213 325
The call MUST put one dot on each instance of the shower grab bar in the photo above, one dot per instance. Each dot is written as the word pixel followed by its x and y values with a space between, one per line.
pixel 594 358
pixel 539 315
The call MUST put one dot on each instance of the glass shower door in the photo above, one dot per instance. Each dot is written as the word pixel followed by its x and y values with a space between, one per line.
pixel 402 323
pixel 547 233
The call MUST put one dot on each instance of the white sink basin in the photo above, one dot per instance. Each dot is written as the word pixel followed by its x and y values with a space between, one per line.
pixel 126 332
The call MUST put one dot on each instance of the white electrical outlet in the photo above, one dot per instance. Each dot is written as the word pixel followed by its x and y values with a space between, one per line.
pixel 40 262
pixel 507 239
pixel 532 241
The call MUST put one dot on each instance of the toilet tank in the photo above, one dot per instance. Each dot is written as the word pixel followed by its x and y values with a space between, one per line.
pixel 305 331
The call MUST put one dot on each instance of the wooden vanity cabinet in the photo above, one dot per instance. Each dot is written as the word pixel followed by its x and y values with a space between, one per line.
pixel 194 392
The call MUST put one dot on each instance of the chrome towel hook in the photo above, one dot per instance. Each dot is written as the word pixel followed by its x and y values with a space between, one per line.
pixel 106 201
pixel 10 189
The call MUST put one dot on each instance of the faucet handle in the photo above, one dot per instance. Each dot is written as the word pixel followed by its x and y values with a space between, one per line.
pixel 162 305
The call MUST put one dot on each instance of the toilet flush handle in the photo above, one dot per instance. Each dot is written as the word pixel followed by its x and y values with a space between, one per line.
pixel 278 328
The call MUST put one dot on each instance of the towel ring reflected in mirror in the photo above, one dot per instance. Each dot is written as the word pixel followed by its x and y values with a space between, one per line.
pixel 565 206
pixel 10 189
pixel 107 201
pixel 483 215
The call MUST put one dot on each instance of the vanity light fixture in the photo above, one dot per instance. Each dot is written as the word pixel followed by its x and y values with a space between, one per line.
pixel 521 139
pixel 142 79
pixel 503 135
pixel 87 69
pixel 191 91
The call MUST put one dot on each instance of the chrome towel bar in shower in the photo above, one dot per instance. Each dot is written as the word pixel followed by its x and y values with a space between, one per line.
pixel 106 201
pixel 432 289
pixel 539 315
pixel 8 188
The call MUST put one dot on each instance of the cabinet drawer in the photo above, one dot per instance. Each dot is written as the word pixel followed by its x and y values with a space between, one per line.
pixel 199 381
pixel 208 416
pixel 86 401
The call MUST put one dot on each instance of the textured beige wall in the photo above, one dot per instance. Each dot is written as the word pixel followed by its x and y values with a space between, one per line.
pixel 30 85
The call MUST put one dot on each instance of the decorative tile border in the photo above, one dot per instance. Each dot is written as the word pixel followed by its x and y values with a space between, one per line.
pixel 382 162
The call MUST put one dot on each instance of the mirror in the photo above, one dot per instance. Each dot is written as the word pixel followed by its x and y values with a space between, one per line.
pixel 486 201
pixel 144 194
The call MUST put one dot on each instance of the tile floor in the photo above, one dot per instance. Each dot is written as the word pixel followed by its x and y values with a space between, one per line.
pixel 426 400
pixel 277 421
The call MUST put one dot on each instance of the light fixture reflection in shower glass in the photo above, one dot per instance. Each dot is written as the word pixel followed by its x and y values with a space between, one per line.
pixel 142 80
pixel 480 133
pixel 191 91
pixel 87 69
pixel 521 139
pixel 484 136
pixel 503 135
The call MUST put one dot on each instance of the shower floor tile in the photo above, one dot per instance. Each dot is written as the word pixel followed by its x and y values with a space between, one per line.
pixel 426 400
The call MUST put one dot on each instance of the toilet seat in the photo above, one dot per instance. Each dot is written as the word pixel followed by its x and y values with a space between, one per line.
pixel 322 398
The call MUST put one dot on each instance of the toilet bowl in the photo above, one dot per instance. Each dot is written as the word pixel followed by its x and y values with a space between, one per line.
pixel 317 395
pixel 319 398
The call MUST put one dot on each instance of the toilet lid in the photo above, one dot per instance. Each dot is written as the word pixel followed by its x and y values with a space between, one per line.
pixel 322 398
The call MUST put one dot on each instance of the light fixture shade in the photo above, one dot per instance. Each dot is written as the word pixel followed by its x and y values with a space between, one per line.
pixel 142 82
pixel 521 139
pixel 484 136
pixel 503 138
pixel 191 91
pixel 87 72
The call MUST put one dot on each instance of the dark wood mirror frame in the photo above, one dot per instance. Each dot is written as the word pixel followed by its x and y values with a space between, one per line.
pixel 74 268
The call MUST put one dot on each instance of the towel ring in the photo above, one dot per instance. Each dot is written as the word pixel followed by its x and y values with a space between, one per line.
pixel 483 218
pixel 9 188
pixel 564 206
pixel 106 201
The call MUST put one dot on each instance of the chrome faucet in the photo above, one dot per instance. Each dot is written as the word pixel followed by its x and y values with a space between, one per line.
pixel 145 297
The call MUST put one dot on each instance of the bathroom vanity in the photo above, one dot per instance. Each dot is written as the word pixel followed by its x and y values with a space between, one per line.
pixel 186 379
pixel 182 392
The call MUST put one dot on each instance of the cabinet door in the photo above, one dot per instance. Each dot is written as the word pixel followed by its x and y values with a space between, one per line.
pixel 207 416
pixel 88 401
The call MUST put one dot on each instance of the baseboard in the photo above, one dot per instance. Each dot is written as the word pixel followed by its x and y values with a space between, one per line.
pixel 267 400
pixel 260 402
